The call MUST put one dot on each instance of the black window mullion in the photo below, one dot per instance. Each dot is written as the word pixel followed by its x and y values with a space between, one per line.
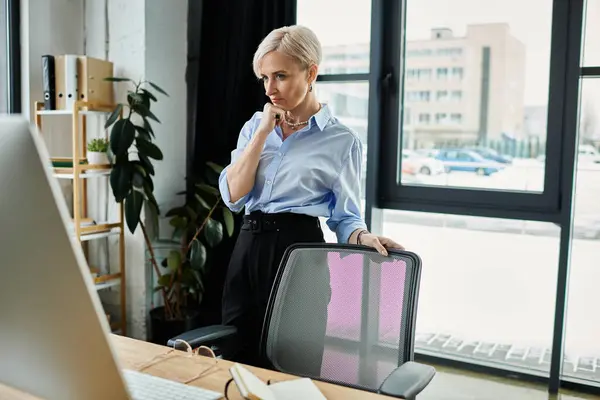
pixel 14 56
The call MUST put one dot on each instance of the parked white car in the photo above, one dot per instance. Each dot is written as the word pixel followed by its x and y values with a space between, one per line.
pixel 421 164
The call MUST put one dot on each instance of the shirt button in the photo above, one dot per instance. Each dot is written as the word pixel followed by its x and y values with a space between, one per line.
pixel 268 182
pixel 280 154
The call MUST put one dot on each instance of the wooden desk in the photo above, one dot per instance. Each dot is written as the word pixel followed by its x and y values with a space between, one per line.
pixel 135 354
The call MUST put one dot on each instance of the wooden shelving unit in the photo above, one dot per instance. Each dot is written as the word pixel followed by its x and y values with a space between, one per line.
pixel 76 169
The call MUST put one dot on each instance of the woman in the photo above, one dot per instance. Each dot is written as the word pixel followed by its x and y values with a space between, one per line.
pixel 294 162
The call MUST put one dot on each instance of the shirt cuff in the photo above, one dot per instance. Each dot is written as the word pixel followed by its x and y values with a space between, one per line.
pixel 345 229
pixel 225 195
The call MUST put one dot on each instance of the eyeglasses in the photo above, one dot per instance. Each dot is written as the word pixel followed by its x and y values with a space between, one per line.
pixel 201 355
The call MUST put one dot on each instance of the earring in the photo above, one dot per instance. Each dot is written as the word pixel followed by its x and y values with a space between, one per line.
pixel 310 88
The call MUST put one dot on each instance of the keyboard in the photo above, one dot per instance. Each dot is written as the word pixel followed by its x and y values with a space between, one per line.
pixel 148 387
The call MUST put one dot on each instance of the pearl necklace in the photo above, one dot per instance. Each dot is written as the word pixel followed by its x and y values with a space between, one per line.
pixel 295 125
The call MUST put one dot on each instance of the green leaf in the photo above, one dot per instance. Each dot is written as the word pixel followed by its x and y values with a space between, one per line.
pixel 144 111
pixel 174 260
pixel 113 116
pixel 134 98
pixel 164 280
pixel 207 189
pixel 191 214
pixel 117 79
pixel 158 89
pixel 137 180
pixel 215 167
pixel 150 196
pixel 120 180
pixel 149 182
pixel 143 133
pixel 140 169
pixel 133 208
pixel 228 219
pixel 148 94
pixel 148 148
pixel 198 280
pixel 197 255
pixel 148 127
pixel 202 202
pixel 213 232
pixel 145 161
pixel 121 136
pixel 178 222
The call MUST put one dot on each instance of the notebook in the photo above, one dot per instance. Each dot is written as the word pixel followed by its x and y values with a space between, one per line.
pixel 252 388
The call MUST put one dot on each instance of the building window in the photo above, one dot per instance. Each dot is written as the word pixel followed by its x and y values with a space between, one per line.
pixel 457 73
pixel 424 118
pixel 441 118
pixel 442 95
pixel 452 51
pixel 456 118
pixel 442 73
pixel 456 95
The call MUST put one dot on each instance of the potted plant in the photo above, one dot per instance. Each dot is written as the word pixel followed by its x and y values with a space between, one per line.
pixel 199 225
pixel 97 152
pixel 131 143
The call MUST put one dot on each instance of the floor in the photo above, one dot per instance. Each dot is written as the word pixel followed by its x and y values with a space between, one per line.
pixel 451 384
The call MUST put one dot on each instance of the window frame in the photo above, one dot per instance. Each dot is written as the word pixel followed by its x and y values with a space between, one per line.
pixel 391 193
pixel 13 37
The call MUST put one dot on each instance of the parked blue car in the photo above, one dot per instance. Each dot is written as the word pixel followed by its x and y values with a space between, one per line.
pixel 468 161
pixel 491 154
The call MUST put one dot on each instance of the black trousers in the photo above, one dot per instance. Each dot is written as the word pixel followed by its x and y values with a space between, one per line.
pixel 252 269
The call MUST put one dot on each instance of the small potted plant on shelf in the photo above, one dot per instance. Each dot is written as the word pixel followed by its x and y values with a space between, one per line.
pixel 97 150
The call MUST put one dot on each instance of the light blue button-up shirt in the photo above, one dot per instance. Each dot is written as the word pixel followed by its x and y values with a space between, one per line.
pixel 315 171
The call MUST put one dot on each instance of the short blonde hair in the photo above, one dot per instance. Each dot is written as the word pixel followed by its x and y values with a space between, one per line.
pixel 296 41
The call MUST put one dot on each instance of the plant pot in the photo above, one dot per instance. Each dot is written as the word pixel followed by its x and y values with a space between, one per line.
pixel 161 330
pixel 97 158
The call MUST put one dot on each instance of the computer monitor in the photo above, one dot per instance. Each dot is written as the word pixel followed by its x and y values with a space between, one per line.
pixel 54 336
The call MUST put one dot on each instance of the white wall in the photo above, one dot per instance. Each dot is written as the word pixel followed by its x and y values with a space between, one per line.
pixel 145 39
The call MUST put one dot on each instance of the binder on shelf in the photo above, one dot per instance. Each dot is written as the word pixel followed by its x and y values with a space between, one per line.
pixel 91 84
pixel 82 78
pixel 66 81
pixel 48 79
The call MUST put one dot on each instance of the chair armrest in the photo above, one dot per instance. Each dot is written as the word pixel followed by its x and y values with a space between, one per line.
pixel 205 336
pixel 408 380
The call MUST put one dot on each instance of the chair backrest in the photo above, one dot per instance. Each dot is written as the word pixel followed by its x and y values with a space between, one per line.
pixel 342 313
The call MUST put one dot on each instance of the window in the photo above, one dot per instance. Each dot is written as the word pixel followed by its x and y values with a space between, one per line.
pixel 457 73
pixel 343 81
pixel 10 89
pixel 4 90
pixel 456 95
pixel 465 311
pixel 503 73
pixel 582 348
pixel 441 118
pixel 456 118
pixel 424 118
pixel 442 73
pixel 345 42
pixel 472 127
pixel 591 51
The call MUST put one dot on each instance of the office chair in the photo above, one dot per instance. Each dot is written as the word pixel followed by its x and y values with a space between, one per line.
pixel 343 314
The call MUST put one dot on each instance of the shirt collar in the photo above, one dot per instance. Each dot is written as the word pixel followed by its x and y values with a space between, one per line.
pixel 322 117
